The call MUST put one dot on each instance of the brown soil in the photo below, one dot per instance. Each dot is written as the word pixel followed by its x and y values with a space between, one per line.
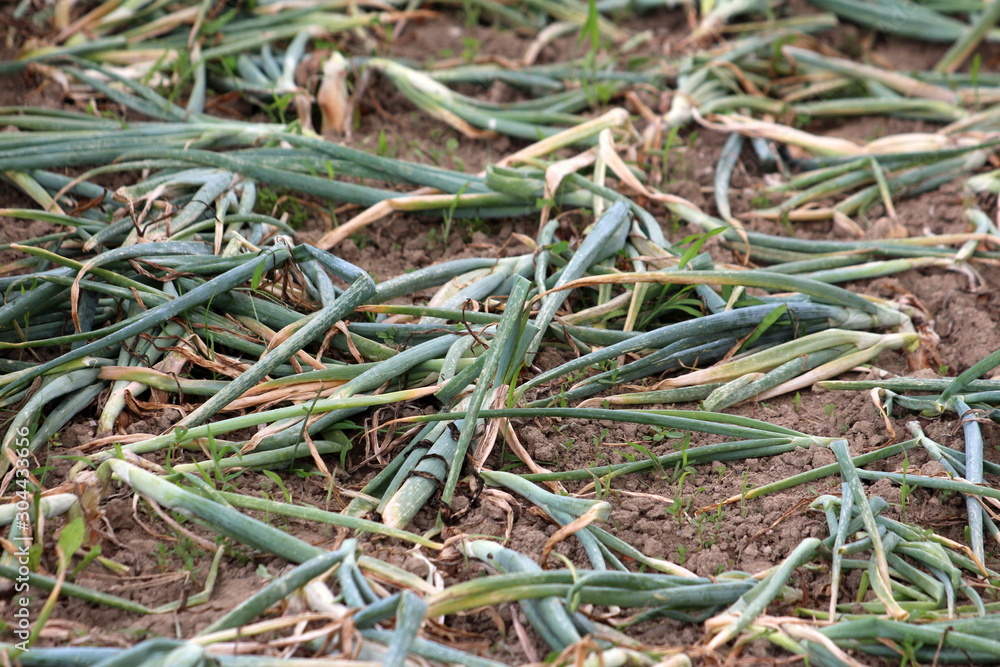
pixel 657 512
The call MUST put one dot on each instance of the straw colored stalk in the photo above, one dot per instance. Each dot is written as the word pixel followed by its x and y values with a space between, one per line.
pixel 369 216
pixel 901 83
pixel 832 146
pixel 843 364
pixel 779 354
pixel 613 118
pixel 332 97
pixel 721 13
pixel 263 394
pixel 275 338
